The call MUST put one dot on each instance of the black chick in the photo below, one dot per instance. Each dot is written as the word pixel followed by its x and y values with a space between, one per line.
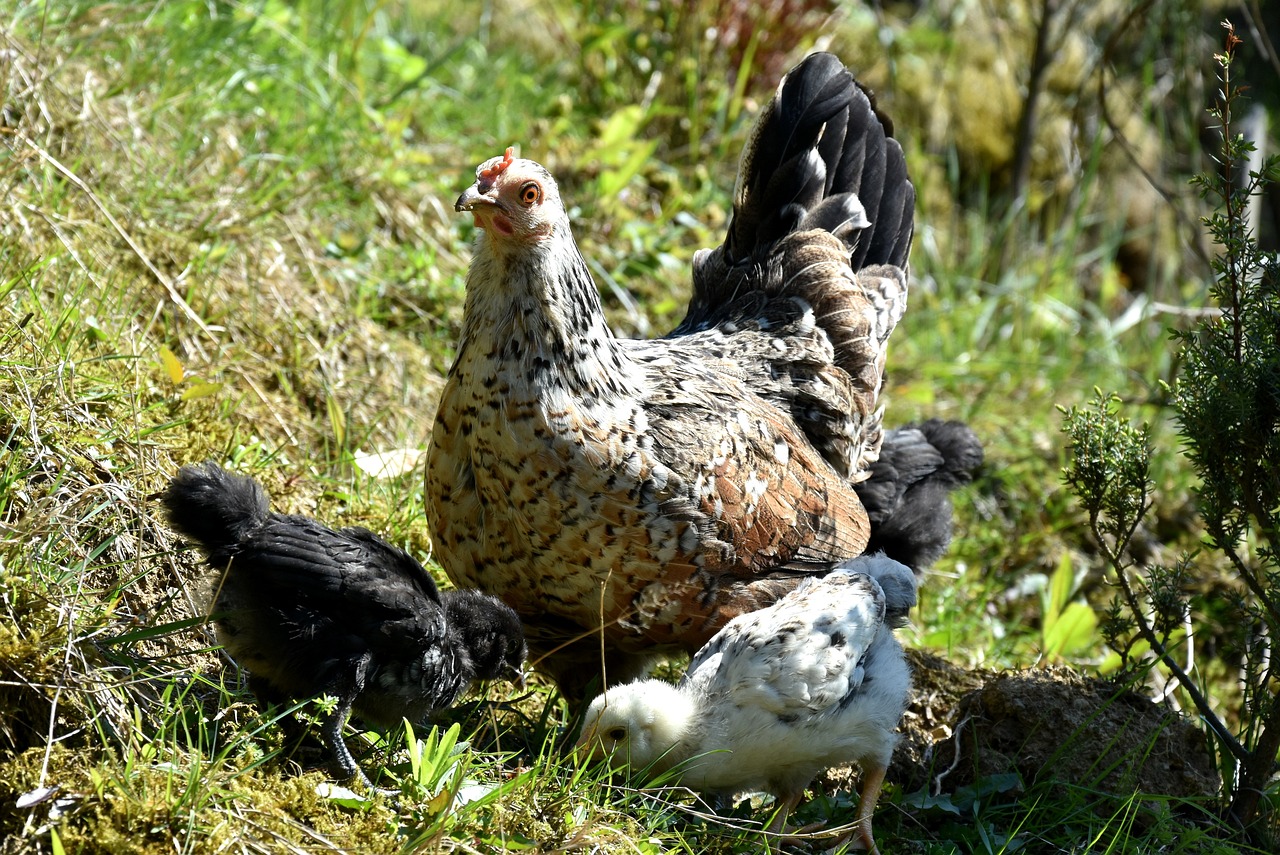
pixel 907 496
pixel 309 611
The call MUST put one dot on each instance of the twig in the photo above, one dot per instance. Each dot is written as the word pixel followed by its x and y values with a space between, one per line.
pixel 1202 705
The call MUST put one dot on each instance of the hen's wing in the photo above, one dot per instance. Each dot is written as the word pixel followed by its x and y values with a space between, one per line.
pixel 762 403
pixel 800 656
pixel 812 276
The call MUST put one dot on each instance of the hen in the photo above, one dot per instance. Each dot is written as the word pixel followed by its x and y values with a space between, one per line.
pixel 635 496
pixel 814 681
pixel 907 493
pixel 309 611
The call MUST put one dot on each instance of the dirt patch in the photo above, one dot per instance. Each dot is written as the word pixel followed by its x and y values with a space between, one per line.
pixel 1045 723
pixel 1058 724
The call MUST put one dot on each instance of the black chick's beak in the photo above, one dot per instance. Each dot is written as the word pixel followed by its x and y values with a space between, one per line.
pixel 518 677
pixel 471 197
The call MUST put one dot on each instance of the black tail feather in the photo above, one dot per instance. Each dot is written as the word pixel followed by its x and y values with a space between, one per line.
pixel 214 508
pixel 822 137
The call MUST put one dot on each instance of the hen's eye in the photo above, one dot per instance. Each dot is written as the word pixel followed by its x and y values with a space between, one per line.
pixel 617 734
pixel 531 193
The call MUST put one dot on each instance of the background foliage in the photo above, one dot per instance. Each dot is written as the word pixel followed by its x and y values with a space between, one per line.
pixel 227 232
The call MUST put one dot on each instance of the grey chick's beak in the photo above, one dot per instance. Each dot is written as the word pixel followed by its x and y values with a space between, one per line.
pixel 471 197
pixel 518 677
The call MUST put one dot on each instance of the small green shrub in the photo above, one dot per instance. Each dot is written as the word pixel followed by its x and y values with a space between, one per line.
pixel 1227 405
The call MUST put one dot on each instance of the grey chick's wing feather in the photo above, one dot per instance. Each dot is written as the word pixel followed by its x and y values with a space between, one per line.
pixel 800 656
pixel 311 609
pixel 895 579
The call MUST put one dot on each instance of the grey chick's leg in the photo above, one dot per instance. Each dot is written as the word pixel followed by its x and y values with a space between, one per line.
pixel 332 728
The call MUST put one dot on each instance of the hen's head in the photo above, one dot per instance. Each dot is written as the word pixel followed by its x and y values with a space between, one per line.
pixel 513 199
pixel 641 724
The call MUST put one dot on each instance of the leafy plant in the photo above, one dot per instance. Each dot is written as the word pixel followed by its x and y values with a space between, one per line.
pixel 1227 405
pixel 1069 625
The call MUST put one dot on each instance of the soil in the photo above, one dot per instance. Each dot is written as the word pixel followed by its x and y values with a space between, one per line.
pixel 1048 723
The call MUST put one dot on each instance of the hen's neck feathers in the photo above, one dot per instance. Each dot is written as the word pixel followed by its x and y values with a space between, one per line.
pixel 536 304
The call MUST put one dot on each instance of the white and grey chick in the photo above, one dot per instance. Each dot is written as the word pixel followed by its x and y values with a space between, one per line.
pixel 814 681
pixel 310 611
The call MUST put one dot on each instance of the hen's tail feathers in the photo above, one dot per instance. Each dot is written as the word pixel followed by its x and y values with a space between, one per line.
pixel 214 507
pixel 815 258
pixel 907 496
pixel 895 579
pixel 822 157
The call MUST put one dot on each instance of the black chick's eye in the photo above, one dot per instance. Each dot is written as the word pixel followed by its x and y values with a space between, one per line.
pixel 531 193
pixel 617 734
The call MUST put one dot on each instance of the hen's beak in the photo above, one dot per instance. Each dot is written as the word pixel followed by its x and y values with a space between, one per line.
pixel 473 196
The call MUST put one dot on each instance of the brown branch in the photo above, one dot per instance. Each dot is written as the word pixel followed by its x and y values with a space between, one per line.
pixel 1041 56
pixel 1234 215
pixel 1256 771
pixel 1246 573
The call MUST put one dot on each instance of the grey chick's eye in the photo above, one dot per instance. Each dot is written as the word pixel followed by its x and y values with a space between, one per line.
pixel 531 193
pixel 617 734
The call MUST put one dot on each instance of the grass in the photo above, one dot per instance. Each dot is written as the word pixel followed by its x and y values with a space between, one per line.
pixel 227 233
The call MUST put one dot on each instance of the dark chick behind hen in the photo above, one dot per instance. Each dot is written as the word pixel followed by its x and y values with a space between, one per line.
pixel 309 610
pixel 908 497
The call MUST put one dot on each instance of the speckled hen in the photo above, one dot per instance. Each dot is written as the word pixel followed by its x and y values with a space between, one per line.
pixel 650 491
pixel 816 680
pixel 309 610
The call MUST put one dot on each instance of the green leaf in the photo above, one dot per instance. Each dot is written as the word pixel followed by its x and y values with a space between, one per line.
pixel 1061 585
pixel 1072 632
pixel 200 389
pixel 342 796
pixel 337 420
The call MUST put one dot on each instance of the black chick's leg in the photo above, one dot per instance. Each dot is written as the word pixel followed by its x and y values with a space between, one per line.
pixel 332 731
pixel 295 735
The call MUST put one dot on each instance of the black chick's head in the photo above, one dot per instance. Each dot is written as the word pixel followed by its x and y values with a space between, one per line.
pixel 491 633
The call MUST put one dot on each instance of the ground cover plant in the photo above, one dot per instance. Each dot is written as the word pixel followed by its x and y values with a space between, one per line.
pixel 226 232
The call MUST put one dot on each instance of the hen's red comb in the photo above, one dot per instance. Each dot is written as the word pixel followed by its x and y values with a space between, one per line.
pixel 498 168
